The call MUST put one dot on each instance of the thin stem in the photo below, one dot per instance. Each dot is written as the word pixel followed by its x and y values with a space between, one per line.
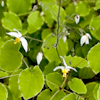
pixel 58 23
pixel 57 41
pixel 8 76
pixel 25 63
pixel 54 94
pixel 71 92
pixel 33 39
pixel 64 81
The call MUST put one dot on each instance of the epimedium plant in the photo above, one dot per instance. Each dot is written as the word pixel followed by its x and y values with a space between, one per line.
pixel 49 50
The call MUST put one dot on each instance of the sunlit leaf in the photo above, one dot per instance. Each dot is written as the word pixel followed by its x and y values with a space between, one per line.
pixel 11 21
pixel 31 82
pixel 10 57
pixel 77 85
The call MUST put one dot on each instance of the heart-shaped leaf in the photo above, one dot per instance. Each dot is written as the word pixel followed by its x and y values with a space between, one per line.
pixel 77 85
pixel 31 82
pixel 10 57
pixel 11 21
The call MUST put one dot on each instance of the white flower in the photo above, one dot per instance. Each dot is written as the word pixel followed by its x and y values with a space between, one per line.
pixel 64 38
pixel 65 69
pixel 39 57
pixel 77 19
pixel 85 39
pixel 35 7
pixel 19 38
pixel 2 3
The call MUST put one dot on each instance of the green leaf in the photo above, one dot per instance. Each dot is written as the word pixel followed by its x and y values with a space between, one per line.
pixel 50 52
pixel 71 96
pixel 97 6
pixel 45 33
pixel 93 58
pixel 54 11
pixel 45 2
pixel 19 6
pixel 70 9
pixel 48 19
pixel 3 74
pixel 47 94
pixel 11 21
pixel 81 98
pixel 87 19
pixel 49 68
pixel 98 93
pixel 35 21
pixel 3 92
pixel 10 57
pixel 70 44
pixel 95 27
pixel 82 8
pixel 32 1
pixel 77 85
pixel 13 84
pixel 1 11
pixel 86 73
pixel 95 91
pixel 10 97
pixel 31 82
pixel 55 78
pixel 90 87
pixel 75 61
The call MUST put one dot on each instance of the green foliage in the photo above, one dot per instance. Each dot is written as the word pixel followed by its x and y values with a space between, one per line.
pixel 3 74
pixel 3 92
pixel 82 8
pixel 77 85
pixel 50 27
pixel 93 58
pixel 90 87
pixel 13 84
pixel 50 51
pixel 10 57
pixel 31 82
pixel 71 96
pixel 57 79
pixel 19 6
pixel 11 21
pixel 35 21
pixel 47 94
pixel 75 61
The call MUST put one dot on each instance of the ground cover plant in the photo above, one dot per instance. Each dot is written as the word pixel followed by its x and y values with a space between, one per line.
pixel 49 50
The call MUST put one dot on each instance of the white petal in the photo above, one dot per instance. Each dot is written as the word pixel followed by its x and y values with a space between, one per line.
pixel 83 39
pixel 77 18
pixel 24 43
pixel 2 3
pixel 20 35
pixel 39 57
pixel 72 68
pixel 15 34
pixel 89 35
pixel 64 38
pixel 87 41
pixel 58 67
pixel 64 61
